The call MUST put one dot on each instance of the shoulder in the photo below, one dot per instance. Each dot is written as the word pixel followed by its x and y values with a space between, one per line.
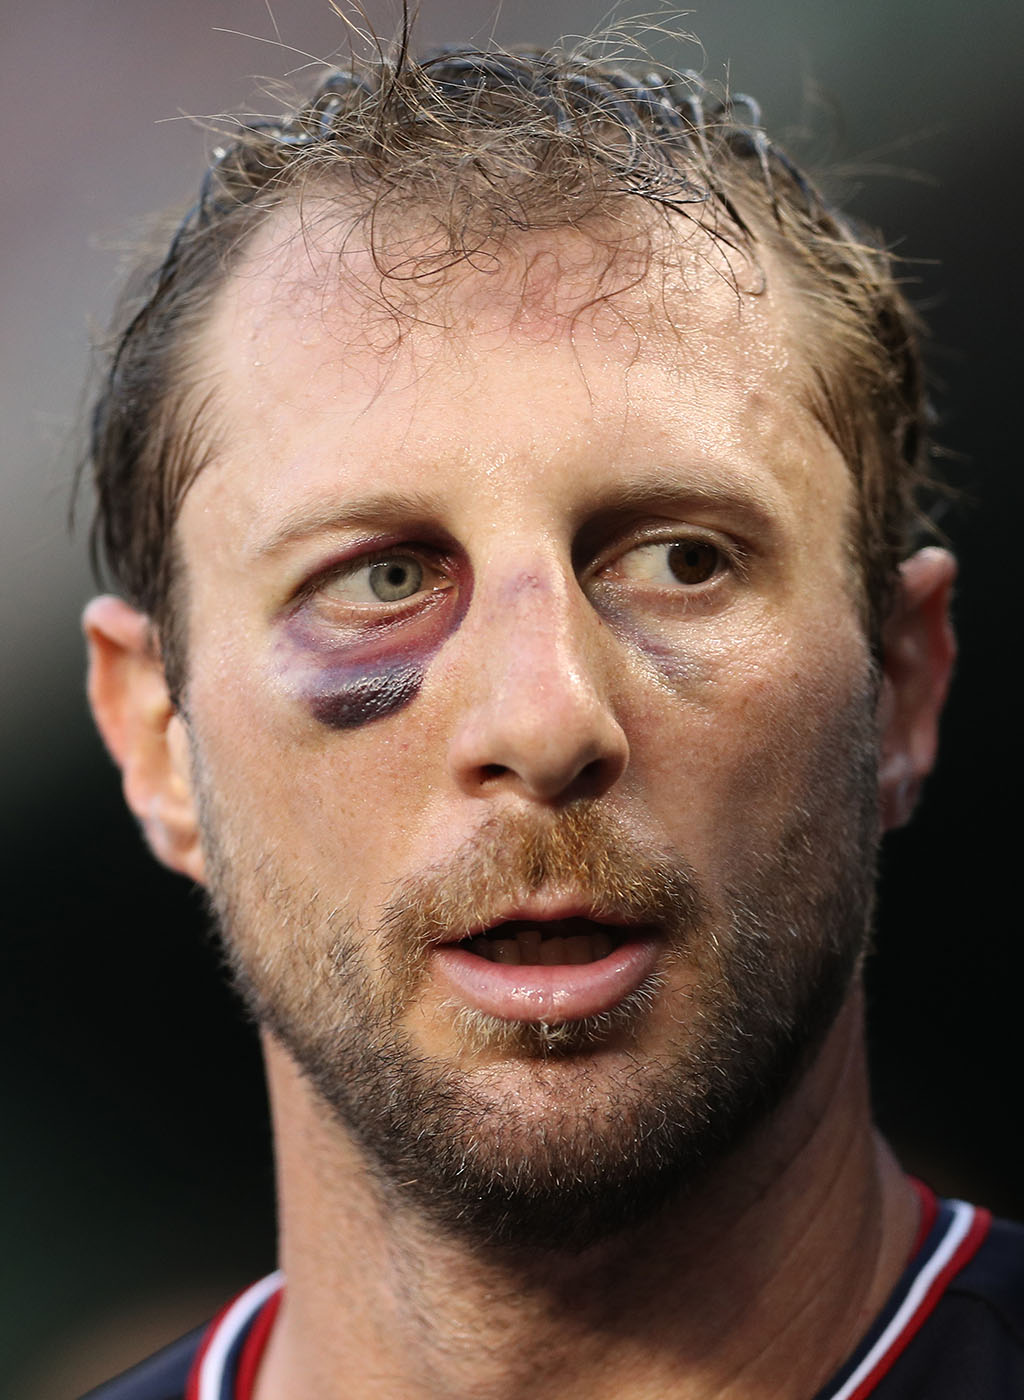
pixel 992 1284
pixel 995 1276
pixel 162 1377
pixel 217 1361
pixel 971 1346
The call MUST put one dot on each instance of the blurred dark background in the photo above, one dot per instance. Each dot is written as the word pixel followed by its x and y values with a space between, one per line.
pixel 135 1180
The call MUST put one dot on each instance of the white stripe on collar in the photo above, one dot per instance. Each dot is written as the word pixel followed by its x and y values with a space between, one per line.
pixel 247 1304
pixel 231 1325
pixel 963 1219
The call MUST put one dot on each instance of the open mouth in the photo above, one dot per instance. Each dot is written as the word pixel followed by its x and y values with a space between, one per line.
pixel 537 968
pixel 551 943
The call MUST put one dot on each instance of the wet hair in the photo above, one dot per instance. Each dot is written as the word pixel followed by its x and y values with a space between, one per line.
pixel 490 145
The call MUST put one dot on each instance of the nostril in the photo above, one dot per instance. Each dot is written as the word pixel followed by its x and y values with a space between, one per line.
pixel 561 744
pixel 594 778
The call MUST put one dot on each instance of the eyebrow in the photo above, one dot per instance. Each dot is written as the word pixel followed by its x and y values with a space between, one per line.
pixel 382 510
pixel 741 499
pixel 401 508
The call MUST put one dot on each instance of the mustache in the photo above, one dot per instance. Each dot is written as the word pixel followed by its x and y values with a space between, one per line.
pixel 582 853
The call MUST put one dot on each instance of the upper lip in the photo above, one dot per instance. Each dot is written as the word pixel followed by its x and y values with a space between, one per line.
pixel 534 912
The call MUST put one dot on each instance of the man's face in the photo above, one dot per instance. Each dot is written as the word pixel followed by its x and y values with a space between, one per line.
pixel 526 620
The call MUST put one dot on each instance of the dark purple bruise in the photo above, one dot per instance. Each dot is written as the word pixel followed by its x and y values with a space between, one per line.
pixel 350 678
pixel 362 696
pixel 677 664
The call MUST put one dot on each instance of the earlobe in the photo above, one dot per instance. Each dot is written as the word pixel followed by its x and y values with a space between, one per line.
pixel 918 651
pixel 142 730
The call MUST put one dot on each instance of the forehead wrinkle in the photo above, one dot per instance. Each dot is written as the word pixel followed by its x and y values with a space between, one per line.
pixel 282 279
pixel 678 341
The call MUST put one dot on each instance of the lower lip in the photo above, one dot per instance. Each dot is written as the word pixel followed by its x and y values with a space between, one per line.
pixel 562 992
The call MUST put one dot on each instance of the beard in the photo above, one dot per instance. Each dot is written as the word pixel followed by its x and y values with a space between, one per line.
pixel 559 1135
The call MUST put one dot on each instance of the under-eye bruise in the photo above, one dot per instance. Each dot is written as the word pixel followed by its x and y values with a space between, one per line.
pixel 358 637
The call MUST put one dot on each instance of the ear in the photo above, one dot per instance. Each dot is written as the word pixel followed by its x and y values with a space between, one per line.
pixel 918 650
pixel 142 729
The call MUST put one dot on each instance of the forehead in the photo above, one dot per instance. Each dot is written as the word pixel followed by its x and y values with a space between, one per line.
pixel 331 362
pixel 669 290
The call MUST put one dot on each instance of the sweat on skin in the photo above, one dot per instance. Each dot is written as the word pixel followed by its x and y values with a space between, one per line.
pixel 541 460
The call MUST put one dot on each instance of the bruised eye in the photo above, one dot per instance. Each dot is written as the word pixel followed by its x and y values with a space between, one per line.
pixel 382 578
pixel 666 563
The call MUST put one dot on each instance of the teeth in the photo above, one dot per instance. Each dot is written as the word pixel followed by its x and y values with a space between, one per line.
pixel 504 950
pixel 602 944
pixel 579 949
pixel 529 946
pixel 530 949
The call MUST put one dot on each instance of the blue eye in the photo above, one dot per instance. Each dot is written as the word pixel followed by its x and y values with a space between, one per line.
pixel 373 579
pixel 391 580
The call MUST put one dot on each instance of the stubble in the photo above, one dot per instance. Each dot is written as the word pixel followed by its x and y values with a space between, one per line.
pixel 562 1135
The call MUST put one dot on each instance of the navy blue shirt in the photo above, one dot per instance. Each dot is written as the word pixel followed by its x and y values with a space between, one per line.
pixel 952 1328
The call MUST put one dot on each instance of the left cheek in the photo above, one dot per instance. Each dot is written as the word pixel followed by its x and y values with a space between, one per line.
pixel 730 758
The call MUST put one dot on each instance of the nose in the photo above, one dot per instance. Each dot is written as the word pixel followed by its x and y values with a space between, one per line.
pixel 534 717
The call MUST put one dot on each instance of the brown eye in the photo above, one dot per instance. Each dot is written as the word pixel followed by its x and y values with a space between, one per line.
pixel 693 561
pixel 686 563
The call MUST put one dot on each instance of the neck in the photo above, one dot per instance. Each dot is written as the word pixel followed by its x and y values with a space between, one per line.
pixel 729 1292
